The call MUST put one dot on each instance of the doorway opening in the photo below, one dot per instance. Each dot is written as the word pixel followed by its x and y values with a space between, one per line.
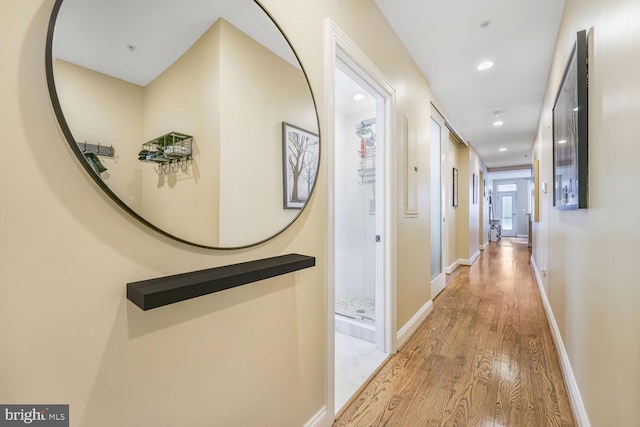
pixel 360 256
pixel 507 204
pixel 357 204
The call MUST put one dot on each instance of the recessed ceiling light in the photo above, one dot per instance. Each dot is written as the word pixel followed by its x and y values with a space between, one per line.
pixel 498 123
pixel 502 149
pixel 358 97
pixel 562 141
pixel 485 65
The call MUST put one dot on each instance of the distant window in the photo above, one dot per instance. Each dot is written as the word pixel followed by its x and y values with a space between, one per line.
pixel 507 187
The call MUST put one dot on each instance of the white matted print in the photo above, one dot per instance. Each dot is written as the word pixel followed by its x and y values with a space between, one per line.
pixel 301 151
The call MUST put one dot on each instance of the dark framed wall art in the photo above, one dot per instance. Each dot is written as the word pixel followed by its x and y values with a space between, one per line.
pixel 571 131
pixel 475 189
pixel 301 152
pixel 455 187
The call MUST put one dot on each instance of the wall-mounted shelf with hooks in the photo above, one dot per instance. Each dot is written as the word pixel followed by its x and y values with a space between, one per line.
pixel 171 152
pixel 91 153
pixel 97 149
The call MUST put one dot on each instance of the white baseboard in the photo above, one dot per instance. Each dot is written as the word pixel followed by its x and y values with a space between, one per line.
pixel 412 325
pixel 577 404
pixel 484 246
pixel 522 236
pixel 449 268
pixel 462 261
pixel 474 258
pixel 320 419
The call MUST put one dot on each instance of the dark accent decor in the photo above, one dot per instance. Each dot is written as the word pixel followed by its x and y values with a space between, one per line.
pixel 153 293
pixel 571 131
pixel 455 187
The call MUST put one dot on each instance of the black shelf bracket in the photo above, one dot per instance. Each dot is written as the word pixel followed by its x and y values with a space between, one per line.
pixel 153 293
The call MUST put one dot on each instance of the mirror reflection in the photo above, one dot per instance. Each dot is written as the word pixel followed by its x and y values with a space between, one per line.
pixel 203 107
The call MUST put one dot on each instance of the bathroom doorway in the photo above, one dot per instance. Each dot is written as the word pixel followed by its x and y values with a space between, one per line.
pixel 361 235
pixel 358 156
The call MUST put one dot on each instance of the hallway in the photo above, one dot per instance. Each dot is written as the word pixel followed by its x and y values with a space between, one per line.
pixel 484 357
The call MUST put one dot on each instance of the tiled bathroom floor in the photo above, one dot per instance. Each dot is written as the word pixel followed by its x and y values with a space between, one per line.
pixel 356 360
pixel 356 307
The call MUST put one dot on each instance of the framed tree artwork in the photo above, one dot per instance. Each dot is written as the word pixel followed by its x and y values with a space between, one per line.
pixel 301 153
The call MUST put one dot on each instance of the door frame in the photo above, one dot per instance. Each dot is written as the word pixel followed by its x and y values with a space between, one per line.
pixel 341 48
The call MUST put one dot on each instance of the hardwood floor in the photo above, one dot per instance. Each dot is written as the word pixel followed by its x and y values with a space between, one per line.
pixel 484 357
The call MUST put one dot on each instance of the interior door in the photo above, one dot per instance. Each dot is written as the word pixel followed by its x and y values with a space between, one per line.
pixel 438 279
pixel 509 214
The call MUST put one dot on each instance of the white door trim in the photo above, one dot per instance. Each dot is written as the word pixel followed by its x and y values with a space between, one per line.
pixel 340 47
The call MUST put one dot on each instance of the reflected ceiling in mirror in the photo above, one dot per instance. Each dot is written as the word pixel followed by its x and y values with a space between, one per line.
pixel 123 73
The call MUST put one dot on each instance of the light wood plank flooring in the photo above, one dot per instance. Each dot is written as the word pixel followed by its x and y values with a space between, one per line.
pixel 484 357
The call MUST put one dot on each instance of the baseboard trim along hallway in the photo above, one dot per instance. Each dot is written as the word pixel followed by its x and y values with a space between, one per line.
pixel 577 404
pixel 462 261
pixel 320 419
pixel 412 325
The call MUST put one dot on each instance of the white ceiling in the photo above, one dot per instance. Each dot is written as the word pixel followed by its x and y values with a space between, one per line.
pixel 444 38
pixel 95 33
pixel 447 42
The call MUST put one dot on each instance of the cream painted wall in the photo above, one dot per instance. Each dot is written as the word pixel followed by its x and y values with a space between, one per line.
pixel 100 109
pixel 451 213
pixel 234 358
pixel 186 98
pixel 591 255
pixel 259 91
pixel 475 166
pixel 463 211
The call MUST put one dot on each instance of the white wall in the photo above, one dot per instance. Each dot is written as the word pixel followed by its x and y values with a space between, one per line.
pixel 355 228
pixel 591 255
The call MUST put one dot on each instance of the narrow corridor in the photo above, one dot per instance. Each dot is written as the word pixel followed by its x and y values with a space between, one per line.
pixel 484 357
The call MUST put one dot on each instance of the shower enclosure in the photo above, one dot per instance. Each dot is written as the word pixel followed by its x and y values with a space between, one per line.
pixel 355 228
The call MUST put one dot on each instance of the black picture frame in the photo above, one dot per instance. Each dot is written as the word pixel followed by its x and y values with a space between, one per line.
pixel 455 188
pixel 300 156
pixel 571 131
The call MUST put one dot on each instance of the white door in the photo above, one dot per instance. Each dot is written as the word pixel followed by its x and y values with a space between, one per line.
pixel 509 214
pixel 438 280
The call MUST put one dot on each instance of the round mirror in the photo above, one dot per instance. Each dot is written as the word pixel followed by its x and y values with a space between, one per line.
pixel 195 116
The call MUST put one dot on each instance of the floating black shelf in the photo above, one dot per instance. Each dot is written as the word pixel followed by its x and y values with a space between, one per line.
pixel 153 293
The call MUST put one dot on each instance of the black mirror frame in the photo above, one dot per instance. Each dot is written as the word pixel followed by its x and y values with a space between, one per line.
pixel 55 101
